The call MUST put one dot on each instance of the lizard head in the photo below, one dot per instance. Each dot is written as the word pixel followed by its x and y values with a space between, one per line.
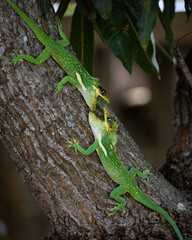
pixel 91 97
pixel 110 125
pixel 101 92
pixel 91 90
pixel 100 128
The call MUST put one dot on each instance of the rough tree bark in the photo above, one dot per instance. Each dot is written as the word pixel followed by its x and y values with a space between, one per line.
pixel 72 190
pixel 178 168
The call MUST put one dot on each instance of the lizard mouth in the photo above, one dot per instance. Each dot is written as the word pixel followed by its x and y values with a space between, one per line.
pixel 105 98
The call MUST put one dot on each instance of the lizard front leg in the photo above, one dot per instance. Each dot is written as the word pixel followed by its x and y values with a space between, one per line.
pixel 66 79
pixel 62 82
pixel 64 41
pixel 90 150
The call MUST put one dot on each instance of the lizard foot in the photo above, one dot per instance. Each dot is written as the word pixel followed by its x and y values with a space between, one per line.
pixel 17 59
pixel 58 88
pixel 61 83
pixel 115 209
pixel 146 173
pixel 73 144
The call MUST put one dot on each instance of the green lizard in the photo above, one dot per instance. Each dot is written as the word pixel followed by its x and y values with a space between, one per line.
pixel 105 141
pixel 89 87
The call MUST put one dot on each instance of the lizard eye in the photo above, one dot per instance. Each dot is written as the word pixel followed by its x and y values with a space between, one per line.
pixel 103 92
pixel 109 119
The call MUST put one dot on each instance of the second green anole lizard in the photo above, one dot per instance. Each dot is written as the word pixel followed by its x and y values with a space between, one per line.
pixel 89 87
pixel 105 145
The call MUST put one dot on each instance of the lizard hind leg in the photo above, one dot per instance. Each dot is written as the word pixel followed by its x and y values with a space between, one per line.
pixel 145 174
pixel 116 194
pixel 43 56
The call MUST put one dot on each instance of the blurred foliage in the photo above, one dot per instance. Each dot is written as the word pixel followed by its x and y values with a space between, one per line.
pixel 82 39
pixel 125 26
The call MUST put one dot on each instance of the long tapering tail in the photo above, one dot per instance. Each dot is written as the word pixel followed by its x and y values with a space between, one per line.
pixel 43 38
pixel 142 198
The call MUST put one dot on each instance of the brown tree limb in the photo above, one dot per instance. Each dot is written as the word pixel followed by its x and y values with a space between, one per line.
pixel 72 190
pixel 178 168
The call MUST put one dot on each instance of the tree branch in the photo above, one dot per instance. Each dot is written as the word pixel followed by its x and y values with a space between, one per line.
pixel 179 165
pixel 72 190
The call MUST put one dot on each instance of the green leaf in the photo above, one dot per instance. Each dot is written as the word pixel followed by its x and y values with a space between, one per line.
pixel 103 7
pixel 120 33
pixel 144 58
pixel 113 32
pixel 62 8
pixel 151 50
pixel 70 10
pixel 134 6
pixel 147 20
pixel 82 40
pixel 86 8
pixel 166 18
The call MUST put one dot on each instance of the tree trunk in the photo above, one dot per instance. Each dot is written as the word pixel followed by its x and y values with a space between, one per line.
pixel 72 189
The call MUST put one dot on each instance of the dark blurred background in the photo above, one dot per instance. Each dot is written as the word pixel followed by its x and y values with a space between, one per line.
pixel 145 106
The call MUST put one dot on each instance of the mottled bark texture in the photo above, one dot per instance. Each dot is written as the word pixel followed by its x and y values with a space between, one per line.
pixel 72 189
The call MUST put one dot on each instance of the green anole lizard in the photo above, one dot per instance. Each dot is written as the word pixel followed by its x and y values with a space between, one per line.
pixel 89 87
pixel 105 141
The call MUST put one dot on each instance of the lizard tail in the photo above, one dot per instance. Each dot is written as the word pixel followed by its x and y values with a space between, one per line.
pixel 142 198
pixel 37 30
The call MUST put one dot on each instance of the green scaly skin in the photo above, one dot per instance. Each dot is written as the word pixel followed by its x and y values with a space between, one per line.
pixel 105 141
pixel 89 87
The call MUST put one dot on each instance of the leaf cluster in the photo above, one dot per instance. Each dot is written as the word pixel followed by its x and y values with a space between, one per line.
pixel 126 27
